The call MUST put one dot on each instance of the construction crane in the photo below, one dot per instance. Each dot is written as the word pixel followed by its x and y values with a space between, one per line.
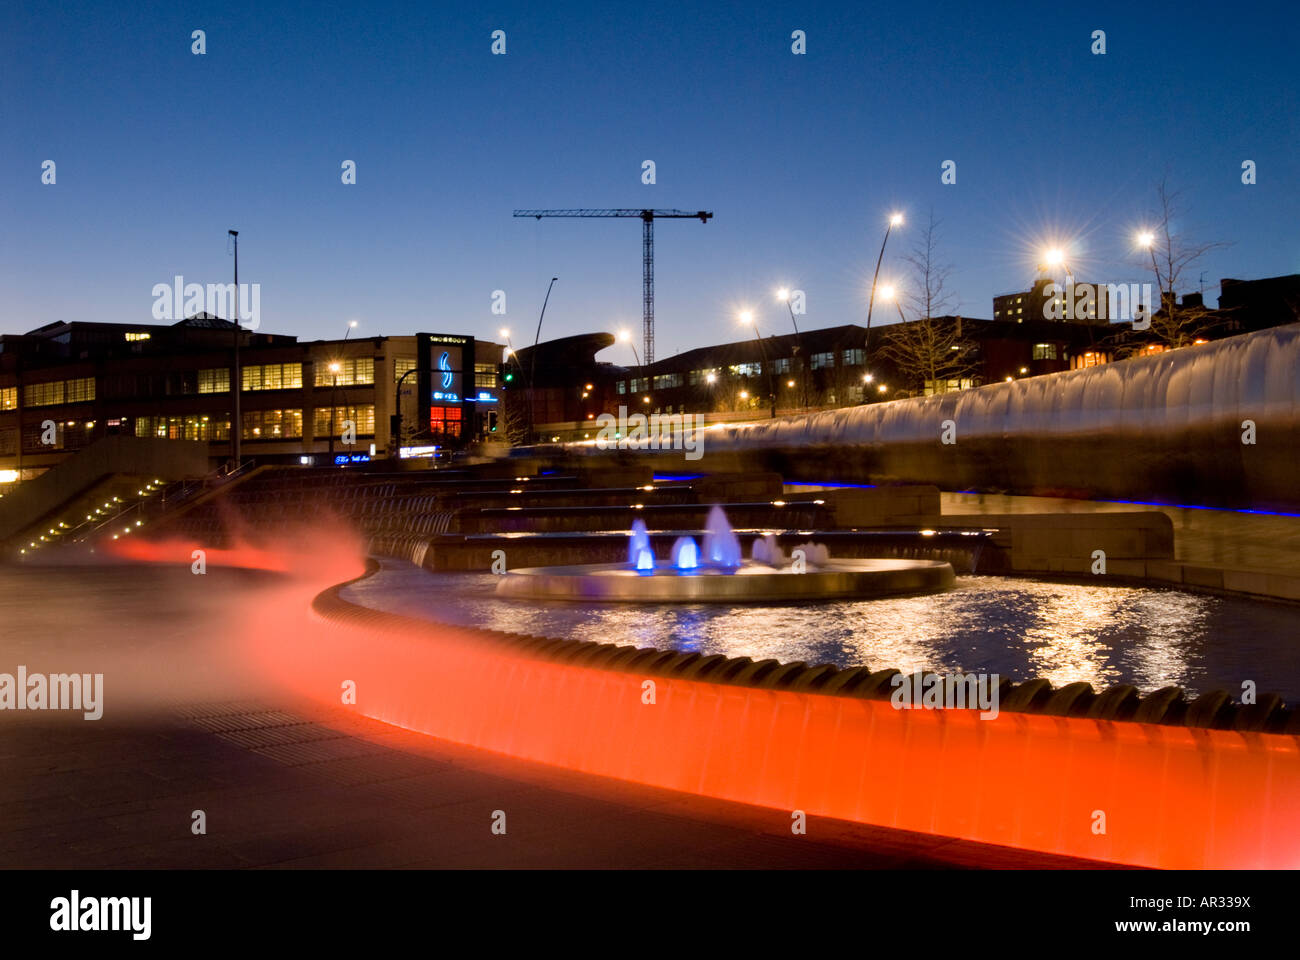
pixel 647 218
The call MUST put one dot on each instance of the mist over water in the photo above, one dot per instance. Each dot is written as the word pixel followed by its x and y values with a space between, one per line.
pixel 162 635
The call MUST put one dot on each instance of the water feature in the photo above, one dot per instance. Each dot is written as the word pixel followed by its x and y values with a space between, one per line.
pixel 1162 428
pixel 1020 628
pixel 721 546
pixel 686 555
pixel 639 554
pixel 717 572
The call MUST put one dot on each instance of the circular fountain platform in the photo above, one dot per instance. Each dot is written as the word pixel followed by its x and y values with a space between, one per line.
pixel 749 583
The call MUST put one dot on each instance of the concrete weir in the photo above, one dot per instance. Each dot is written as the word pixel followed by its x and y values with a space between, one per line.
pixel 1185 785
pixel 1211 425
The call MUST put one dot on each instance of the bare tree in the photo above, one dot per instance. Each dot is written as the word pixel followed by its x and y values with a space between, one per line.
pixel 929 349
pixel 1172 255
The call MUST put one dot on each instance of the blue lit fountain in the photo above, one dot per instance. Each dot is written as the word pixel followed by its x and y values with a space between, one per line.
pixel 717 572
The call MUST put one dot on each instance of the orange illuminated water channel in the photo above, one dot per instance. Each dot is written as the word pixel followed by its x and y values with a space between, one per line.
pixel 1171 797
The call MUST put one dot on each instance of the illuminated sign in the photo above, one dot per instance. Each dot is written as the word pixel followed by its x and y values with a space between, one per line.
pixel 446 384
pixel 445 364
pixel 346 458
pixel 485 397
pixel 420 451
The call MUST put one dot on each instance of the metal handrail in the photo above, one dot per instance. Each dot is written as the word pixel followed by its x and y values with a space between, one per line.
pixel 168 497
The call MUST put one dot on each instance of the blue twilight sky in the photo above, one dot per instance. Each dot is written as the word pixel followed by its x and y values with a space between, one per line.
pixel 801 158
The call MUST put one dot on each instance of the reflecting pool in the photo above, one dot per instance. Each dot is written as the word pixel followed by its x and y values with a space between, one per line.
pixel 1018 628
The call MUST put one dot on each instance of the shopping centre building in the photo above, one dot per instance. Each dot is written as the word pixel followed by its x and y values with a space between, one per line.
pixel 65 385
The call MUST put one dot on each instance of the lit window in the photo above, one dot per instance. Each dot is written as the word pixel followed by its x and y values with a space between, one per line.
pixel 362 416
pixel 271 424
pixel 271 376
pixel 43 394
pixel 445 421
pixel 214 380
pixel 348 372
pixel 79 391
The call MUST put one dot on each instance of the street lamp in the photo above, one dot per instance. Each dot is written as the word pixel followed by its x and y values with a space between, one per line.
pixel 1147 239
pixel 334 369
pixel 532 361
pixel 235 425
pixel 895 220
pixel 888 293
pixel 746 318
pixel 1053 258
pixel 510 349
pixel 784 295
pixel 352 325
pixel 626 336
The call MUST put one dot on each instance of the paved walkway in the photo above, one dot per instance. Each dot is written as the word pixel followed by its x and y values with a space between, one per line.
pixel 286 784
pixel 298 788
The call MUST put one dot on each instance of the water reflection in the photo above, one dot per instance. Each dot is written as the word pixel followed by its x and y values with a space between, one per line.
pixel 1017 628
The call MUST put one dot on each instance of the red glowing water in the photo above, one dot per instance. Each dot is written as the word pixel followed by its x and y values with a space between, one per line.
pixel 1129 793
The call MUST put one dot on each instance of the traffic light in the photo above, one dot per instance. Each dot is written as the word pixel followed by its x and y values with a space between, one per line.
pixel 492 421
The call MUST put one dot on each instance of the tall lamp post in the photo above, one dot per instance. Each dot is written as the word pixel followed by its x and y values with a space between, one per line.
pixel 1147 239
pixel 532 360
pixel 236 427
pixel 784 295
pixel 334 369
pixel 1055 257
pixel 504 333
pixel 747 318
pixel 626 337
pixel 889 294
pixel 895 220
